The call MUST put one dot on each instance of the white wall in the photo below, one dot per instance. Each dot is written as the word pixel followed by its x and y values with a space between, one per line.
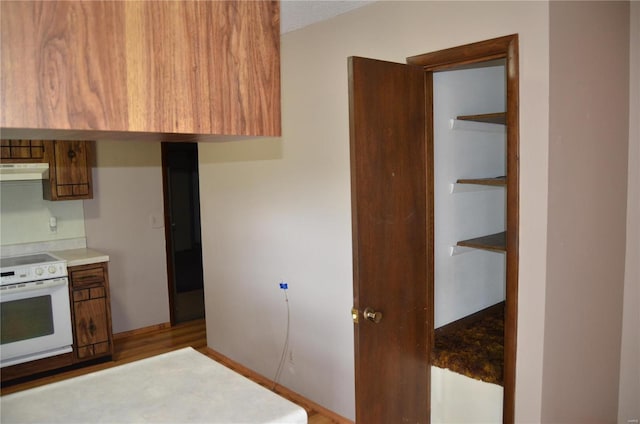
pixel 471 281
pixel 24 215
pixel 629 407
pixel 456 398
pixel 125 220
pixel 284 212
pixel 588 158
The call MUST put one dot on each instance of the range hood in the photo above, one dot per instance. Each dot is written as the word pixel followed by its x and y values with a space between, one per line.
pixel 24 171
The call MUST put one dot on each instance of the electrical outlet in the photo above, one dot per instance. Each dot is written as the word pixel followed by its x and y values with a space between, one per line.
pixel 53 224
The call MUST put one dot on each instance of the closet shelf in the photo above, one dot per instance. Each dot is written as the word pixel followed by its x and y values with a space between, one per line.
pixel 489 118
pixel 493 242
pixel 476 126
pixel 465 185
pixel 497 181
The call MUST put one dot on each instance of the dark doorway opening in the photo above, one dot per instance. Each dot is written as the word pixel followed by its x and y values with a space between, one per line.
pixel 182 231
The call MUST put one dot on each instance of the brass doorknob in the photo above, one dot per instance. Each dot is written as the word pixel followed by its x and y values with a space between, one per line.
pixel 372 315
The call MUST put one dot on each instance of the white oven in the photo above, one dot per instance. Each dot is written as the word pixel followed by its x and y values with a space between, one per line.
pixel 35 312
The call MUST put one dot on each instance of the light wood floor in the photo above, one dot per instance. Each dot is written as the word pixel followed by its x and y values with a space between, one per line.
pixel 138 346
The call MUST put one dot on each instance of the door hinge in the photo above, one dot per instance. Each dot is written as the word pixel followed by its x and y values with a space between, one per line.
pixel 354 315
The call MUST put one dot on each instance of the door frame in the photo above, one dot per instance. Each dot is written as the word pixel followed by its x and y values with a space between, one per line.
pixel 448 59
pixel 168 236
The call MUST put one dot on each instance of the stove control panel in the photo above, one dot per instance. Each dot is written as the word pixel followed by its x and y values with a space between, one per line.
pixel 21 274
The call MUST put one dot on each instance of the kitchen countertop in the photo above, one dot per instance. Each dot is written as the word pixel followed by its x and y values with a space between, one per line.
pixel 83 256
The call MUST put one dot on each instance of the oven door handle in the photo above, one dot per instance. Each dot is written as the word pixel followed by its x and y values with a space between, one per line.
pixel 34 285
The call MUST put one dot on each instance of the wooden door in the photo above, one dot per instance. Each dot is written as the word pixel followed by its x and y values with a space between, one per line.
pixel 392 236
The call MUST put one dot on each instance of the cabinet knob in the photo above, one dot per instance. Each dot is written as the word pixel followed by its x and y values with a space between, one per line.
pixel 71 153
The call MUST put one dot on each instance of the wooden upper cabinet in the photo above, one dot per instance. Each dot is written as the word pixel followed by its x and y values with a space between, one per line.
pixel 69 170
pixel 70 163
pixel 22 150
pixel 183 70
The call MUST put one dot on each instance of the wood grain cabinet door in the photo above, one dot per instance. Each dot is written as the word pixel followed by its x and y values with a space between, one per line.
pixel 92 330
pixel 69 171
pixel 91 311
pixel 22 151
pixel 139 69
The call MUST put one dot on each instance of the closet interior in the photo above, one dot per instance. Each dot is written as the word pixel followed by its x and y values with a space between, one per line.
pixel 470 216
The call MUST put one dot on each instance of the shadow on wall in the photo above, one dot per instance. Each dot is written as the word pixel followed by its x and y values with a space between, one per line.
pixel 255 149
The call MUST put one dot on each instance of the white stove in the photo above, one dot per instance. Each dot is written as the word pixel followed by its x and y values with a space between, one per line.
pixel 33 267
pixel 35 311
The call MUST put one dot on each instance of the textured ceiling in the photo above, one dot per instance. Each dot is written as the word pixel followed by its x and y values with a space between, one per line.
pixel 295 14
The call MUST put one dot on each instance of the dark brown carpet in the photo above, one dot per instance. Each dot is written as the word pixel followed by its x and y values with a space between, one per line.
pixel 473 346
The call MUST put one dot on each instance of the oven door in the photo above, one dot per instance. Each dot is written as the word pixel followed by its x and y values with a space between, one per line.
pixel 35 321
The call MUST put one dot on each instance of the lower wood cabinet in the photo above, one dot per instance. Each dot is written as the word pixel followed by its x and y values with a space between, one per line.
pixel 91 312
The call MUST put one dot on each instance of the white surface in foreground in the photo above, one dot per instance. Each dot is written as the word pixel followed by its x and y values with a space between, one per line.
pixel 183 386
pixel 456 398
